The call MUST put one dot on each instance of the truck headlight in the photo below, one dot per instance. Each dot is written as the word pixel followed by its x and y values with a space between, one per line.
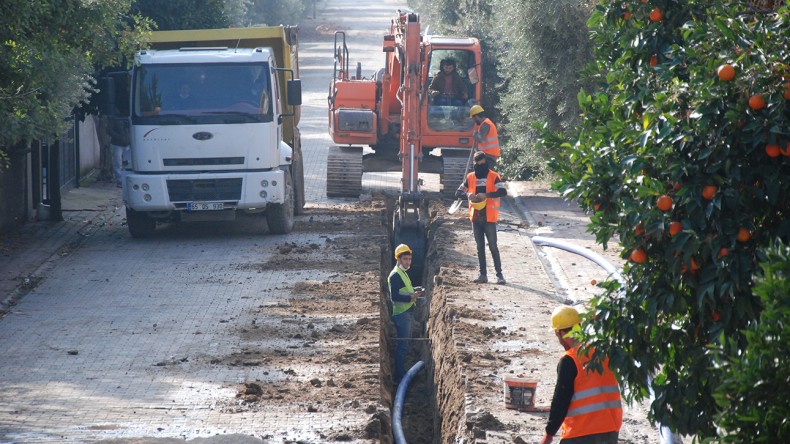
pixel 145 187
pixel 263 194
pixel 147 197
pixel 274 183
pixel 264 183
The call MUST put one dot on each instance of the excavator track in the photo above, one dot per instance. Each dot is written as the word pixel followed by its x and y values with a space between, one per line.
pixel 344 171
pixel 454 165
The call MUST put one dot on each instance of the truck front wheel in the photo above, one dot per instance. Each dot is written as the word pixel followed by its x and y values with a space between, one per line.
pixel 280 217
pixel 140 225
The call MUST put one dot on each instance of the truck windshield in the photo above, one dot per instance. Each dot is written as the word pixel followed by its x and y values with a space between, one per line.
pixel 202 93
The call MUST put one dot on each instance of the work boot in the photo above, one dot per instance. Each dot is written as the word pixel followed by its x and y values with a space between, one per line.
pixel 500 279
pixel 481 279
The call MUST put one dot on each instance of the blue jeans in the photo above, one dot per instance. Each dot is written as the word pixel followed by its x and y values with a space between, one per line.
pixel 403 323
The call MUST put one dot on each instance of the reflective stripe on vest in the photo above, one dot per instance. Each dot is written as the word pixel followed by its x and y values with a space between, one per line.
pixel 400 307
pixel 595 406
pixel 492 203
pixel 489 145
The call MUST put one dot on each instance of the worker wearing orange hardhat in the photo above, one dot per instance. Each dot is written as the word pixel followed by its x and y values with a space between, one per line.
pixel 485 135
pixel 586 403
pixel 403 296
pixel 484 188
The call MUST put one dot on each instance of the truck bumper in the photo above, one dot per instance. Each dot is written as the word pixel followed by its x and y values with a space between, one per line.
pixel 250 191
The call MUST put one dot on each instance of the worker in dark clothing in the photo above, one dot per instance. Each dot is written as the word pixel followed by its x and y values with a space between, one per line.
pixel 484 188
pixel 586 404
pixel 403 296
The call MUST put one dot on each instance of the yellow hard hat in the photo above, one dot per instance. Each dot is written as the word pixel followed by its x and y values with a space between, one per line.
pixel 478 205
pixel 402 248
pixel 477 109
pixel 564 317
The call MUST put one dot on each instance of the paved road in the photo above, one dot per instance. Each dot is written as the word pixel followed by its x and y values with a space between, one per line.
pixel 109 343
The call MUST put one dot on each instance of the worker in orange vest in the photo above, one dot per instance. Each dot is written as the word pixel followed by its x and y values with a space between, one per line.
pixel 485 135
pixel 484 188
pixel 586 403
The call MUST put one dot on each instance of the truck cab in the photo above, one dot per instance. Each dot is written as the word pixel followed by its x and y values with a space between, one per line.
pixel 213 135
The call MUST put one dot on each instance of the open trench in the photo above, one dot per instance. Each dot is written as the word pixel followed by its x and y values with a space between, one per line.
pixel 433 410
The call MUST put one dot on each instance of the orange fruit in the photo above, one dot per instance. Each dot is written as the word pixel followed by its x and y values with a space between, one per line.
pixel 726 72
pixel 709 191
pixel 722 253
pixel 786 150
pixel 744 235
pixel 716 316
pixel 627 15
pixel 653 60
pixel 676 186
pixel 638 255
pixel 694 266
pixel 756 102
pixel 787 91
pixel 597 207
pixel 639 229
pixel 675 228
pixel 664 203
pixel 593 282
pixel 772 150
pixel 656 15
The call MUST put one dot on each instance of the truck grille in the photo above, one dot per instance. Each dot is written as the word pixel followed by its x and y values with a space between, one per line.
pixel 200 190
pixel 211 161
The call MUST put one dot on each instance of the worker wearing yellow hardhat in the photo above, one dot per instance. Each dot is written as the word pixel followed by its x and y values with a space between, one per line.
pixel 403 296
pixel 485 135
pixel 586 404
pixel 484 188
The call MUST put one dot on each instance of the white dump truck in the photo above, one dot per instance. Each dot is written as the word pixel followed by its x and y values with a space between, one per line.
pixel 213 119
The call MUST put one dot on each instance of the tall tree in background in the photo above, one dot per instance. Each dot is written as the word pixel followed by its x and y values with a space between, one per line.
pixel 276 12
pixel 48 53
pixel 542 50
pixel 184 14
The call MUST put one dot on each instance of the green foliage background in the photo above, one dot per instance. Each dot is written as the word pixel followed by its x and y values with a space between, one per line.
pixel 52 51
pixel 48 52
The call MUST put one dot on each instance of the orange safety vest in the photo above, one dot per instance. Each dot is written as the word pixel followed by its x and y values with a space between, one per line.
pixel 595 406
pixel 492 203
pixel 489 145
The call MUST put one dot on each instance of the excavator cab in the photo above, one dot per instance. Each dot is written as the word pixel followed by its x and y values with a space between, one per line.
pixel 448 106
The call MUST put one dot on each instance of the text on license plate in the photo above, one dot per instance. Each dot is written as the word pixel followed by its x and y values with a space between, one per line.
pixel 205 206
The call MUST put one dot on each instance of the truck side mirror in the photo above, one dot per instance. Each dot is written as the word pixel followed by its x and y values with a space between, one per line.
pixel 294 92
pixel 107 96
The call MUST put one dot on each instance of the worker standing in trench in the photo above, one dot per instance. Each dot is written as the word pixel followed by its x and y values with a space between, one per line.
pixel 484 188
pixel 586 403
pixel 404 297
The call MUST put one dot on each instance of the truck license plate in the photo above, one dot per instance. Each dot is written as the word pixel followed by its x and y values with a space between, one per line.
pixel 205 206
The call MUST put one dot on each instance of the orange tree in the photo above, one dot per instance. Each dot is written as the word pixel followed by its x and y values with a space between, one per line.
pixel 665 139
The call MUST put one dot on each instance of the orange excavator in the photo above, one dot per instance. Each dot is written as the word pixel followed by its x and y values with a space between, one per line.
pixel 404 125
